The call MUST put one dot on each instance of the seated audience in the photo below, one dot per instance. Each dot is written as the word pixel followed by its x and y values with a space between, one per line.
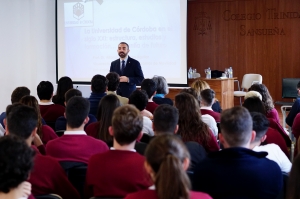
pixel 275 133
pixel 236 171
pixel 166 155
pixel 267 100
pixel 166 122
pixel 49 111
pixel 99 129
pixel 61 122
pixel 64 84
pixel 296 132
pixel 149 86
pixel 191 126
pixel 112 86
pixel 207 119
pixel 45 132
pixel 260 126
pixel 99 88
pixel 293 185
pixel 75 145
pixel 139 99
pixel 47 175
pixel 295 109
pixel 119 171
pixel 16 162
pixel 16 95
pixel 161 91
pixel 200 85
pixel 207 100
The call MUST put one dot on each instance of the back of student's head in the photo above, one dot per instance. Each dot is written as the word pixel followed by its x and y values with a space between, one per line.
pixel 32 102
pixel 45 90
pixel 21 120
pixel 253 94
pixel 64 84
pixel 113 81
pixel 162 85
pixel 254 104
pixel 165 119
pixel 149 86
pixel 260 125
pixel 166 155
pixel 16 162
pixel 207 97
pixel 193 93
pixel 18 93
pixel 107 106
pixel 77 110
pixel 236 126
pixel 139 99
pixel 199 85
pixel 127 123
pixel 71 93
pixel 99 84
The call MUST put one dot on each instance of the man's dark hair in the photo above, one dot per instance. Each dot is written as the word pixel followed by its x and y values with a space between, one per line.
pixel 71 93
pixel 165 119
pixel 45 90
pixel 21 120
pixel 127 123
pixel 139 99
pixel 18 93
pixel 236 126
pixel 124 43
pixel 149 86
pixel 99 84
pixel 254 104
pixel 77 110
pixel 193 92
pixel 298 85
pixel 260 125
pixel 208 96
pixel 16 162
pixel 113 81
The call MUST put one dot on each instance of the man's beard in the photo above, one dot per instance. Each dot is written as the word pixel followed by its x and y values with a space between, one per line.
pixel 122 54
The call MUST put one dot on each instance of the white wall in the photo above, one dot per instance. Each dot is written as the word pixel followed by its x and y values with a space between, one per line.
pixel 27 45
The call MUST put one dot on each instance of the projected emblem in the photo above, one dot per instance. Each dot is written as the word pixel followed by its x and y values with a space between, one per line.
pixel 202 23
pixel 78 11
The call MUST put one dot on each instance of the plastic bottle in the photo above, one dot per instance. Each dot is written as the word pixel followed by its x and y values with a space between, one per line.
pixel 190 73
pixel 208 74
pixel 230 72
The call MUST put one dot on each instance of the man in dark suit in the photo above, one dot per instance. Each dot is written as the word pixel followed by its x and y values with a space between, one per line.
pixel 129 69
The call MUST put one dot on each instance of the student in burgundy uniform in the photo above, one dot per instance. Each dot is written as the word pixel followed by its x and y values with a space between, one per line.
pixel 49 111
pixel 150 87
pixel 47 175
pixel 75 145
pixel 16 163
pixel 207 100
pixel 119 171
pixel 166 156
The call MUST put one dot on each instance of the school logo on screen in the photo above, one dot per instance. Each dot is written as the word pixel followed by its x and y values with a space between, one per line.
pixel 202 23
pixel 79 14
pixel 78 11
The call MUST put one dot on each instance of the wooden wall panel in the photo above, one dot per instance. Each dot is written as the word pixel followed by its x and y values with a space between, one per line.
pixel 252 36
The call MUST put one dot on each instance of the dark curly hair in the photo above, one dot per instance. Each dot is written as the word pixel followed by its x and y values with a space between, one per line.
pixel 266 97
pixel 16 162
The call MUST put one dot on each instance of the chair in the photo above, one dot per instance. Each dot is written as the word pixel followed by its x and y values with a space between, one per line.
pixel 49 196
pixel 247 81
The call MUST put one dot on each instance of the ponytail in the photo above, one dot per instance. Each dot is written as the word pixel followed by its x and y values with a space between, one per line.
pixel 171 181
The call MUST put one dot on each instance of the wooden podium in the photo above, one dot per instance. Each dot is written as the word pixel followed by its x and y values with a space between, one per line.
pixel 223 88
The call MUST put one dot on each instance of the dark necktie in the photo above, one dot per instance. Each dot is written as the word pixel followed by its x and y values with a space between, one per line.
pixel 123 66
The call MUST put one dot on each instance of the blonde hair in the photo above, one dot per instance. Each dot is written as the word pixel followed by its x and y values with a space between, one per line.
pixel 253 94
pixel 199 85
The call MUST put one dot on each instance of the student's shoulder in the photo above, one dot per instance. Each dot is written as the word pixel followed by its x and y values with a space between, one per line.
pixel 151 194
pixel 194 195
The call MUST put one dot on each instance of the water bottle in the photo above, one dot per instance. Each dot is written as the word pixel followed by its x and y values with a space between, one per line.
pixel 208 73
pixel 230 72
pixel 190 73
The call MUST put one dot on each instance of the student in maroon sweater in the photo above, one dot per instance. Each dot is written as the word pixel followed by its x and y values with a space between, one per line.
pixel 119 171
pixel 47 175
pixel 150 87
pixel 167 160
pixel 16 163
pixel 49 111
pixel 207 100
pixel 75 145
